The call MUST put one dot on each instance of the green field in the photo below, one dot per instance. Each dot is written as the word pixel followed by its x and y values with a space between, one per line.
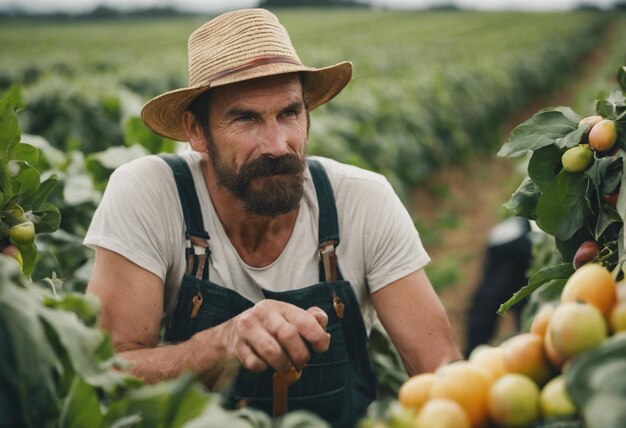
pixel 429 87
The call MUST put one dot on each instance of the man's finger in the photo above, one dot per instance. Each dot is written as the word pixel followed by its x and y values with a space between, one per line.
pixel 319 315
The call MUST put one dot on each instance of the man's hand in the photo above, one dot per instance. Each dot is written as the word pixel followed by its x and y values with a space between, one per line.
pixel 275 334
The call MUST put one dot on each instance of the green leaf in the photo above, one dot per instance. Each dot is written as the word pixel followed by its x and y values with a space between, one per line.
pixel 608 216
pixel 48 218
pixel 82 407
pixel 524 200
pixel 83 346
pixel 28 364
pixel 557 272
pixel 561 207
pixel 135 132
pixel 572 139
pixel 37 200
pixel 606 109
pixel 543 129
pixel 26 181
pixel 9 130
pixel 14 96
pixel 24 152
pixel 600 374
pixel 544 165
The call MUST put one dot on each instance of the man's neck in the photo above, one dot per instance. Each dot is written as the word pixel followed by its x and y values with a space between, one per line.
pixel 258 239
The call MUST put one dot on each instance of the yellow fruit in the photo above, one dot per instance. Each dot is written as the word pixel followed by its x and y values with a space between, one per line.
pixel 554 399
pixel 23 233
pixel 491 359
pixel 617 317
pixel 466 384
pixel 514 401
pixel 575 328
pixel 603 135
pixel 591 283
pixel 442 413
pixel 555 359
pixel 577 158
pixel 414 391
pixel 524 354
pixel 541 319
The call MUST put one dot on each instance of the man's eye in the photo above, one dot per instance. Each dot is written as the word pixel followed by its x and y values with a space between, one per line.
pixel 244 118
pixel 291 113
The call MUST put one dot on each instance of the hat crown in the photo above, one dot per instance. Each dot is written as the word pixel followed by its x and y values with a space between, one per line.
pixel 236 39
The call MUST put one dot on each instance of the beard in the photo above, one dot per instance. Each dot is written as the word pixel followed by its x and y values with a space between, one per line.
pixel 280 182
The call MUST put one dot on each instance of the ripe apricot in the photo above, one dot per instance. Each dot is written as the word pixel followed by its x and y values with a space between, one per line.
pixel 414 391
pixel 539 324
pixel 617 317
pixel 603 135
pixel 489 358
pixel 576 327
pixel 514 401
pixel 466 384
pixel 590 120
pixel 554 399
pixel 591 283
pixel 442 413
pixel 524 354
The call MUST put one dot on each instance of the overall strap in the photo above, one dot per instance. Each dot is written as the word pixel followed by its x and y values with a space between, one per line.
pixel 197 252
pixel 328 222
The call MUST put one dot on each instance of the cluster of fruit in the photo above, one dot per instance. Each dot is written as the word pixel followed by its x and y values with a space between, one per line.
pixel 601 136
pixel 522 381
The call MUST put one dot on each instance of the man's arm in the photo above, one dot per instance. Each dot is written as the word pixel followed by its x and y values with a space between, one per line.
pixel 416 321
pixel 269 334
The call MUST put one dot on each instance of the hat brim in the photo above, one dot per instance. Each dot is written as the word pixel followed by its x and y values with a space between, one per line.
pixel 163 114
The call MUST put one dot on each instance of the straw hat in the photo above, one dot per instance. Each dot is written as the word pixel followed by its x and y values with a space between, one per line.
pixel 236 46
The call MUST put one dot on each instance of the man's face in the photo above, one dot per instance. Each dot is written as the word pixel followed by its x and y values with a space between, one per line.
pixel 256 142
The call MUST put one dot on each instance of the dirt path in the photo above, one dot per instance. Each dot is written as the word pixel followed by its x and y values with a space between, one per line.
pixel 472 196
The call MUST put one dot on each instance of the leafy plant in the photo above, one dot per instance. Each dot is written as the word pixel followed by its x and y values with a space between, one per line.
pixel 24 210
pixel 573 207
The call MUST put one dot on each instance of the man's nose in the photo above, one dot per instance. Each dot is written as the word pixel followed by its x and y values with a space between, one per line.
pixel 273 141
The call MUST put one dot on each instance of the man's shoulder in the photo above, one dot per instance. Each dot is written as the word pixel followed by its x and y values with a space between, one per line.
pixel 343 174
pixel 150 166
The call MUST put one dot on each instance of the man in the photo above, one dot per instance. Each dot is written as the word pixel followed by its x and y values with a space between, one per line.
pixel 247 254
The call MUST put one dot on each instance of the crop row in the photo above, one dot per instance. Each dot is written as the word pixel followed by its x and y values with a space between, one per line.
pixel 428 87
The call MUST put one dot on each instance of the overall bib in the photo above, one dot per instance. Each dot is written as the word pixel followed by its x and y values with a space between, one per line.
pixel 338 384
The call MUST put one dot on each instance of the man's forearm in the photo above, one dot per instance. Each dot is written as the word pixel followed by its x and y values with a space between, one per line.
pixel 203 354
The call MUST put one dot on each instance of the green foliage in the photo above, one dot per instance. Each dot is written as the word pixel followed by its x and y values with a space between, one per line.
pixel 596 382
pixel 23 196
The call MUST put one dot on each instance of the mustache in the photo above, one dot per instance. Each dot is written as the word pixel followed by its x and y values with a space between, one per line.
pixel 263 166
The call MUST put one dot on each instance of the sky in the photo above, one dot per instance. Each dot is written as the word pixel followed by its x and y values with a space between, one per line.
pixel 212 6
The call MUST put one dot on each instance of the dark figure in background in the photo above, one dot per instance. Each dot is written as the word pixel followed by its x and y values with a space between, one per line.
pixel 505 270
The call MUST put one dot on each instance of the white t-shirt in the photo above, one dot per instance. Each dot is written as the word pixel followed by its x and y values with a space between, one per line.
pixel 140 218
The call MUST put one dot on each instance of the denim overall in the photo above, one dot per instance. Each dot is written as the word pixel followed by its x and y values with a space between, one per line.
pixel 338 384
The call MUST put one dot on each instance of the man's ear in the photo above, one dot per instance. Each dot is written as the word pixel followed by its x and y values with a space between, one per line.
pixel 195 133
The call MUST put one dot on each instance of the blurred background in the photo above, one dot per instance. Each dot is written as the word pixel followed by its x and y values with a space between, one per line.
pixel 438 86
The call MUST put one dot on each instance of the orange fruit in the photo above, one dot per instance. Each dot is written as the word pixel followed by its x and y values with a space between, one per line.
pixel 617 317
pixel 442 413
pixel 524 354
pixel 575 328
pixel 466 384
pixel 591 283
pixel 491 359
pixel 541 319
pixel 414 391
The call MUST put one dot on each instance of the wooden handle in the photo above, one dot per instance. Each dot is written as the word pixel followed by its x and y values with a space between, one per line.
pixel 280 383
